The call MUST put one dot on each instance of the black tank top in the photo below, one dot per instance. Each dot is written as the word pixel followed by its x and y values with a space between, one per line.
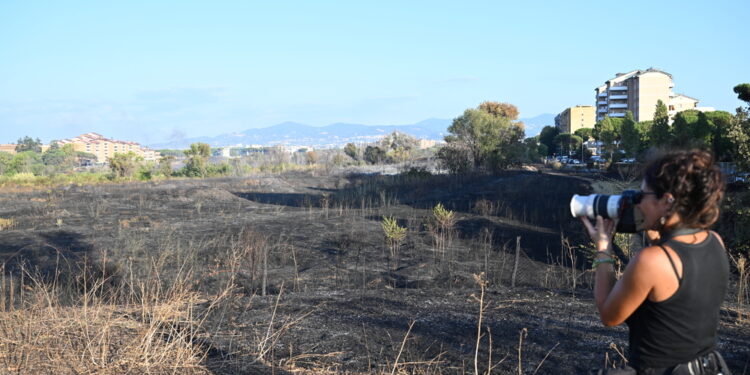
pixel 683 327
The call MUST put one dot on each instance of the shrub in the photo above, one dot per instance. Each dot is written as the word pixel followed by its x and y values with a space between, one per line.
pixel 394 234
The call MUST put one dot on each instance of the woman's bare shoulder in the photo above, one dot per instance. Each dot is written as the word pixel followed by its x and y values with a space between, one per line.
pixel 647 260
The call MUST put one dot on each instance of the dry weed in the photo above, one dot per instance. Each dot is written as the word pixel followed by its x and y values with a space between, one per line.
pixel 7 223
pixel 95 336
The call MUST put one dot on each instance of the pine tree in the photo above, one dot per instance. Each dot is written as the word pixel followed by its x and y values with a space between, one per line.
pixel 660 134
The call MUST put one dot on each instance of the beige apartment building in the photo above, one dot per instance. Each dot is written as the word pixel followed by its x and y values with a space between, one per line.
pixel 574 118
pixel 11 148
pixel 638 91
pixel 105 148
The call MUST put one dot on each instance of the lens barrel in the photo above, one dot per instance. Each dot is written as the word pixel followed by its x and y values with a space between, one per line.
pixel 621 207
pixel 606 206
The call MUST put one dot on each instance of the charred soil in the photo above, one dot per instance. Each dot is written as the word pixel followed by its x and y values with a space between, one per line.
pixel 315 286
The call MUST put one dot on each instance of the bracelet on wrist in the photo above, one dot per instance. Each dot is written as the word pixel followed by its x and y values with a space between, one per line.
pixel 602 261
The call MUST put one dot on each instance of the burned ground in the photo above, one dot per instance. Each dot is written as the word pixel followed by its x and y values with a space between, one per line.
pixel 317 288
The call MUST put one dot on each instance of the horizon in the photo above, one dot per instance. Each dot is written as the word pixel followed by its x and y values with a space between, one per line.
pixel 151 72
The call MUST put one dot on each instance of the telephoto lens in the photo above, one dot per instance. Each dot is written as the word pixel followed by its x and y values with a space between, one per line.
pixel 621 208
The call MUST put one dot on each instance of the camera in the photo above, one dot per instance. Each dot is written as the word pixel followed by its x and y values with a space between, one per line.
pixel 617 207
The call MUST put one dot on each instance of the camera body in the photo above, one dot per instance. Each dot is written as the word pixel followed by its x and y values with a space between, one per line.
pixel 617 207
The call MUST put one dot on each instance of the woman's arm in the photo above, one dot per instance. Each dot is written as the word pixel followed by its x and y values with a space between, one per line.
pixel 622 299
pixel 617 300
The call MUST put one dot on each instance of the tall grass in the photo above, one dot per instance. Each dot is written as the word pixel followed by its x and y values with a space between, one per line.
pixel 80 326
pixel 103 318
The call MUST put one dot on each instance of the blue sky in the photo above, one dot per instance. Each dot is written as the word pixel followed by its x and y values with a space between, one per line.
pixel 151 71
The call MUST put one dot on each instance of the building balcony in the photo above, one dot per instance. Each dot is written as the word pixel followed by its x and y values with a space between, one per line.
pixel 620 105
pixel 602 102
pixel 603 94
pixel 618 88
pixel 616 114
pixel 615 97
pixel 602 110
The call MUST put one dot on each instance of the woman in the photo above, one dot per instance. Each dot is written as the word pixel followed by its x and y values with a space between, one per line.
pixel 671 292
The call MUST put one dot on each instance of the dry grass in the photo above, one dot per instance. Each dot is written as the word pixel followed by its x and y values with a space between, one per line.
pixel 55 327
pixel 101 339
pixel 743 287
pixel 7 223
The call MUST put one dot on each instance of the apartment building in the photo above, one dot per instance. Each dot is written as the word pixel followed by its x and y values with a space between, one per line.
pixel 638 91
pixel 105 148
pixel 679 103
pixel 11 148
pixel 574 118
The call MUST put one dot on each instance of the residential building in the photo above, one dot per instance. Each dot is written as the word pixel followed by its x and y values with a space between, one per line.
pixel 426 143
pixel 225 152
pixel 679 103
pixel 11 148
pixel 574 118
pixel 638 91
pixel 104 148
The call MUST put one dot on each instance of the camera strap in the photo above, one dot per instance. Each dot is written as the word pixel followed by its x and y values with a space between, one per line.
pixel 675 233
pixel 679 232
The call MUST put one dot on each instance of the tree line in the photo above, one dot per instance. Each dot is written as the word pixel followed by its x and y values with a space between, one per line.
pixel 721 132
pixel 486 138
pixel 490 137
pixel 30 159
pixel 394 148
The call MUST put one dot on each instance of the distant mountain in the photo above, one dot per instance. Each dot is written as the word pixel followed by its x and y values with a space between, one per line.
pixel 535 124
pixel 337 135
pixel 334 135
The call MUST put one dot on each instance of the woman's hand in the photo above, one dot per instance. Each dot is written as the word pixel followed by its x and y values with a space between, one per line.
pixel 601 234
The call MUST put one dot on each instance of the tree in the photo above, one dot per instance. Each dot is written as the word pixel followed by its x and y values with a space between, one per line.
pixel 547 138
pixel 721 143
pixel 608 133
pixel 398 140
pixel 338 159
pixel 531 148
pixel 311 157
pixel 630 135
pixel 498 109
pixel 486 136
pixel 59 159
pixel 585 133
pixel 660 134
pixel 351 150
pixel 124 165
pixel 691 128
pixel 374 155
pixel 542 150
pixel 398 146
pixel 644 127
pixel 26 162
pixel 568 142
pixel 5 161
pixel 165 165
pixel 197 158
pixel 743 92
pixel 28 144
pixel 455 158
pixel 739 129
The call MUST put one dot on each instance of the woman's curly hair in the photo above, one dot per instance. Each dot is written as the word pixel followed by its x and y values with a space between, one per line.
pixel 694 180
